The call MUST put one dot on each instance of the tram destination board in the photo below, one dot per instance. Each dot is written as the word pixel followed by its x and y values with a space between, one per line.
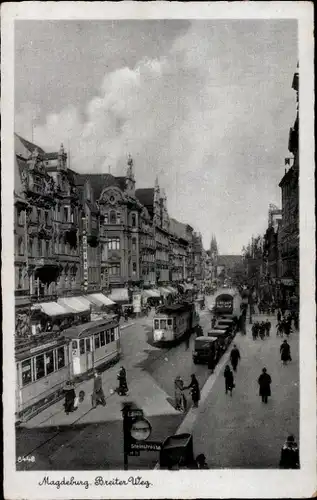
pixel 134 413
pixel 148 446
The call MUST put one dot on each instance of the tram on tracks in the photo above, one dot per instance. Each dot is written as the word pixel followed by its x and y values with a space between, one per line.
pixel 172 322
pixel 45 363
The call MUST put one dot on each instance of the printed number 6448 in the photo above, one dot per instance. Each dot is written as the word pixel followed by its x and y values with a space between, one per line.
pixel 28 458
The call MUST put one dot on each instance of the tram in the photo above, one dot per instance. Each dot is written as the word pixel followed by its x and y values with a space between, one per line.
pixel 47 362
pixel 228 305
pixel 174 321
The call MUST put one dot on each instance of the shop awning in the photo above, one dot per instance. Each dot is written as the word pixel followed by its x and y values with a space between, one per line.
pixel 164 291
pixel 76 304
pixel 119 295
pixel 150 293
pixel 172 290
pixel 99 299
pixel 51 309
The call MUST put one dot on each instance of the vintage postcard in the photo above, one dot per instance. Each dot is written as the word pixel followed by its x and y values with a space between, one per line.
pixel 158 259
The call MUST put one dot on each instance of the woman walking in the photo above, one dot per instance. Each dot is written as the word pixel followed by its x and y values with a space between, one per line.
pixel 264 382
pixel 229 380
pixel 285 351
pixel 195 391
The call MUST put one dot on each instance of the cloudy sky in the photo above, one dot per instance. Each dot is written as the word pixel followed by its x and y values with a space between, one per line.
pixel 206 106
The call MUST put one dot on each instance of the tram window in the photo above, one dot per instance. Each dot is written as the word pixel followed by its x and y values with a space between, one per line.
pixel 169 322
pixel 88 345
pixel 74 345
pixel 112 334
pixel 39 366
pixel 97 341
pixel 102 338
pixel 26 372
pixel 163 323
pixel 82 346
pixel 61 357
pixel 49 362
pixel 108 337
pixel 156 324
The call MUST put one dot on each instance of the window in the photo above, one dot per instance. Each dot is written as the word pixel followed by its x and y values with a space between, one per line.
pixel 114 243
pixel 82 346
pixel 163 323
pixel 74 345
pixel 170 322
pixel 20 277
pixel 108 337
pixel 49 362
pixel 39 247
pixel 21 246
pixel 46 218
pixel 39 366
pixel 102 338
pixel 21 218
pixel 65 212
pixel 97 341
pixel 156 324
pixel 113 217
pixel 133 219
pixel 114 270
pixel 134 244
pixel 88 345
pixel 134 267
pixel 47 248
pixel 112 334
pixel 118 218
pixel 60 354
pixel 106 218
pixel 26 372
pixel 39 215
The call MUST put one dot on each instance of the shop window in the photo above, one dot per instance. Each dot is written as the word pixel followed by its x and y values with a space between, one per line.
pixel 97 341
pixel 26 372
pixel 102 338
pixel 113 217
pixel 82 346
pixel 61 356
pixel 88 345
pixel 39 367
pixel 49 362
pixel 112 335
pixel 156 324
pixel 108 337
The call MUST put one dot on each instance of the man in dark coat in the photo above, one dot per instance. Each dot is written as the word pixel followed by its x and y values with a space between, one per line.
pixel 98 395
pixel 285 351
pixel 229 380
pixel 195 391
pixel 264 382
pixel 234 357
pixel 70 395
pixel 289 454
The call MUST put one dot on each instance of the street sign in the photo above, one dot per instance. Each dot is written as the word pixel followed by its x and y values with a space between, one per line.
pixel 140 429
pixel 134 413
pixel 134 453
pixel 148 446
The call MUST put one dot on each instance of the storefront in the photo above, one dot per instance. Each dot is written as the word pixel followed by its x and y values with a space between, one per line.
pixel 50 316
pixel 80 307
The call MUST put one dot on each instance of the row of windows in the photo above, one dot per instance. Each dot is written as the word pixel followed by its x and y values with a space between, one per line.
pixel 100 339
pixel 114 217
pixel 162 323
pixel 42 365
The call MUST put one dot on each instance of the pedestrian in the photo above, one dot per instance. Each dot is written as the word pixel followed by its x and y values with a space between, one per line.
pixel 201 462
pixel 262 330
pixel 98 394
pixel 195 391
pixel 264 382
pixel 279 316
pixel 254 331
pixel 70 396
pixel 285 351
pixel 268 328
pixel 234 357
pixel 289 454
pixel 179 396
pixel 229 380
pixel 123 386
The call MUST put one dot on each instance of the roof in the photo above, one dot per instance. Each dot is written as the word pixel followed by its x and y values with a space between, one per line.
pixel 145 196
pixel 29 145
pixel 87 328
pixel 228 261
pixel 99 182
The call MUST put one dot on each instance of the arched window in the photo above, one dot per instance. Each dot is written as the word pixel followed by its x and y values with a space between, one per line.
pixel 113 217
